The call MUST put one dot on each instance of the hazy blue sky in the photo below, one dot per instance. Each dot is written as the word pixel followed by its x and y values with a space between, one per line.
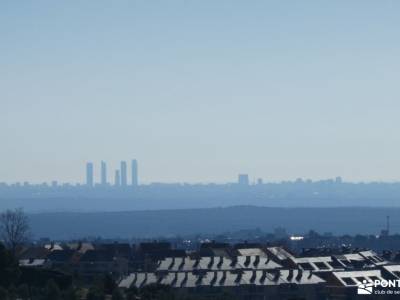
pixel 200 90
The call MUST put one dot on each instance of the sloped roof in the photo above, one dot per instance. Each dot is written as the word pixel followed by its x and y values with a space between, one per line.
pixel 252 252
pixel 34 252
pixel 280 253
pixel 394 270
pixel 356 277
pixel 318 263
pixel 39 262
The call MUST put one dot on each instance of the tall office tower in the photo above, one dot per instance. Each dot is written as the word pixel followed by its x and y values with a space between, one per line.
pixel 103 173
pixel 124 180
pixel 117 180
pixel 243 179
pixel 134 173
pixel 89 174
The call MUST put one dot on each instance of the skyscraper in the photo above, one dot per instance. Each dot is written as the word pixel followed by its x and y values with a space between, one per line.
pixel 124 180
pixel 103 173
pixel 89 174
pixel 134 172
pixel 117 179
pixel 243 179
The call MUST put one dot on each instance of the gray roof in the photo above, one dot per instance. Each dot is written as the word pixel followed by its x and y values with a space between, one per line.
pixel 368 258
pixel 38 262
pixel 252 252
pixel 393 269
pixel 319 263
pixel 373 257
pixel 353 278
pixel 280 253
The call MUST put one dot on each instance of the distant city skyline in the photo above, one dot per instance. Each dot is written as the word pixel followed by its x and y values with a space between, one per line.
pixel 200 91
pixel 96 174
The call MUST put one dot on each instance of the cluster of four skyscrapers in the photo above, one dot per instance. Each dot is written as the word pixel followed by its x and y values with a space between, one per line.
pixel 120 178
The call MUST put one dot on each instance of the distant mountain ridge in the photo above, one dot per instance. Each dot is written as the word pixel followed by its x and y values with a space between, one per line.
pixel 327 193
pixel 157 223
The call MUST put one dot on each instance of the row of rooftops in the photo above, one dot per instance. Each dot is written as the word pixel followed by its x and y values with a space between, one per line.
pixel 266 266
pixel 213 263
pixel 210 256
pixel 363 259
pixel 271 259
pixel 223 265
pixel 346 279
pixel 98 252
pixel 221 278
pixel 73 253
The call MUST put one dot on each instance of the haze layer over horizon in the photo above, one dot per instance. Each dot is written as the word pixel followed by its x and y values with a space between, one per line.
pixel 200 91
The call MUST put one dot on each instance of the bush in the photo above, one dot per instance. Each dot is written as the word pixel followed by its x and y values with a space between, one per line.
pixel 95 293
pixel 70 294
pixel 3 294
pixel 52 291
pixel 9 271
pixel 23 292
pixel 108 284
pixel 117 295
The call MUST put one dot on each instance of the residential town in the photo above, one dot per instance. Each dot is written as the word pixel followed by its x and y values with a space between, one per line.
pixel 234 271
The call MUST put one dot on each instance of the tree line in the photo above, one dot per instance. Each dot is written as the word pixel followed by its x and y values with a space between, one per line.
pixel 24 283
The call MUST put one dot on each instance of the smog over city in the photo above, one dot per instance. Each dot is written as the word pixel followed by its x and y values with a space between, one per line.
pixel 188 149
